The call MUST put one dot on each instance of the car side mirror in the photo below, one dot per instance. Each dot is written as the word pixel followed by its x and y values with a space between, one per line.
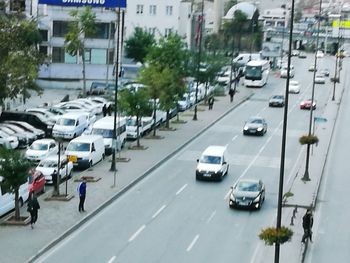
pixel 224 163
pixel 197 160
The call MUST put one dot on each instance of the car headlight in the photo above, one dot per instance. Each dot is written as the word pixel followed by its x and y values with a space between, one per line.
pixel 257 199
pixel 245 128
pixel 259 129
pixel 232 197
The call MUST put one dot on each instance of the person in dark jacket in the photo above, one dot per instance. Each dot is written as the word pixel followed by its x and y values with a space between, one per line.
pixel 82 195
pixel 231 92
pixel 33 207
pixel 211 102
pixel 104 110
pixel 308 221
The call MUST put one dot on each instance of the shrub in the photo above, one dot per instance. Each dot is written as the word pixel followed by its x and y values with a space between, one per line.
pixel 272 235
pixel 308 139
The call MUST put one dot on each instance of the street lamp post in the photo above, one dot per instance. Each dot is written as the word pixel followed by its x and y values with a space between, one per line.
pixel 113 163
pixel 306 176
pixel 337 54
pixel 284 138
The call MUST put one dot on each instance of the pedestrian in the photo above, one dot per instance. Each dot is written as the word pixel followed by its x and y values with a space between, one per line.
pixel 231 92
pixel 211 102
pixel 82 194
pixel 307 225
pixel 33 207
pixel 238 78
pixel 109 109
pixel 104 110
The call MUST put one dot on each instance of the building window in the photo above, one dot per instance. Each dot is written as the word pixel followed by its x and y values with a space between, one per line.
pixel 44 34
pixel 152 30
pixel 98 56
pixel 110 58
pixel 169 10
pixel 139 9
pixel 167 32
pixel 152 10
pixel 60 56
pixel 18 5
pixel 60 28
pixel 103 31
pixel 43 50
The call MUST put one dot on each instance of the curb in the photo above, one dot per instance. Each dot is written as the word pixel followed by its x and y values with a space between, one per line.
pixel 75 227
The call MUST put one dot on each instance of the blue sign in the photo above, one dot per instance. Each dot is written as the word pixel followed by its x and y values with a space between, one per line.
pixel 93 3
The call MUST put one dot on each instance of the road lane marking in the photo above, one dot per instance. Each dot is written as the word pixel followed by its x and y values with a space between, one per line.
pixel 192 243
pixel 228 194
pixel 234 137
pixel 211 216
pixel 181 189
pixel 137 233
pixel 112 259
pixel 158 212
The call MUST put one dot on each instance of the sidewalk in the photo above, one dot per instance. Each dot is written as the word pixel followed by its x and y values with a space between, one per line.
pixel 57 219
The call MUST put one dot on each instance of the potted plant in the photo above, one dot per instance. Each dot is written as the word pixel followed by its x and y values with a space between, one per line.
pixel 273 235
pixel 308 139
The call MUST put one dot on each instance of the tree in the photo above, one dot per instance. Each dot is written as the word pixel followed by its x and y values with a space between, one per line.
pixel 135 103
pixel 235 28
pixel 138 45
pixel 164 73
pixel 83 25
pixel 14 169
pixel 19 57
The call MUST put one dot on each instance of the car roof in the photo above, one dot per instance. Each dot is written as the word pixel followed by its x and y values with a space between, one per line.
pixel 294 82
pixel 54 158
pixel 44 141
pixel 87 138
pixel 74 114
pixel 214 150
pixel 248 180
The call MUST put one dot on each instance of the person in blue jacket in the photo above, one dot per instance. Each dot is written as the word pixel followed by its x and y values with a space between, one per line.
pixel 82 195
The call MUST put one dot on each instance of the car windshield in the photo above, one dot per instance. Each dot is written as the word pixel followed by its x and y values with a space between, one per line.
pixel 210 159
pixel 39 147
pixel 78 147
pixel 66 122
pixel 248 186
pixel 131 122
pixel 259 121
pixel 48 164
pixel 278 97
pixel 253 72
pixel 103 132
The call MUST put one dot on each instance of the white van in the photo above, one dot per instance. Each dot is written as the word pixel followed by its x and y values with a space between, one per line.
pixel 212 164
pixel 85 151
pixel 70 125
pixel 242 59
pixel 145 125
pixel 7 199
pixel 105 128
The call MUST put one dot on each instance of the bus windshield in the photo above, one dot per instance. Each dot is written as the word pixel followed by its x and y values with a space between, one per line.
pixel 253 72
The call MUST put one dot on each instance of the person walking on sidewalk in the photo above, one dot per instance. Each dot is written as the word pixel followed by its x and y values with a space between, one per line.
pixel 33 207
pixel 307 225
pixel 231 92
pixel 211 102
pixel 82 195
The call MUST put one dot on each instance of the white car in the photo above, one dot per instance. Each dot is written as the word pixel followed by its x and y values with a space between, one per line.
pixel 184 103
pixel 95 105
pixel 9 142
pixel 319 54
pixel 44 112
pixel 284 71
pixel 294 87
pixel 72 106
pixel 48 167
pixel 100 100
pixel 320 79
pixel 40 149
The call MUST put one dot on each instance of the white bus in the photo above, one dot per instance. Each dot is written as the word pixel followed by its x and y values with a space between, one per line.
pixel 105 127
pixel 256 73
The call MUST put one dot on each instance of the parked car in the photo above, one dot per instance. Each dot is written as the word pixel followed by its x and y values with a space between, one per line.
pixel 29 128
pixel 43 112
pixel 95 105
pixel 306 104
pixel 101 101
pixel 48 167
pixel 320 79
pixel 255 126
pixel 294 87
pixel 276 101
pixel 319 54
pixel 185 102
pixel 325 72
pixel 30 137
pixel 8 141
pixel 36 182
pixel 312 68
pixel 302 55
pixel 295 53
pixel 247 193
pixel 70 125
pixel 22 140
pixel 40 149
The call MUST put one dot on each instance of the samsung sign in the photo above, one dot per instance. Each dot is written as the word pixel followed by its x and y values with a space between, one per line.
pixel 94 3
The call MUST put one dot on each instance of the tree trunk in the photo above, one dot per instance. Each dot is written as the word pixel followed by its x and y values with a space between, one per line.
pixel 137 131
pixel 154 117
pixel 17 212
pixel 167 119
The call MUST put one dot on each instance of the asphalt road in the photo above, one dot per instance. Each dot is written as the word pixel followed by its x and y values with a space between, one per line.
pixel 171 217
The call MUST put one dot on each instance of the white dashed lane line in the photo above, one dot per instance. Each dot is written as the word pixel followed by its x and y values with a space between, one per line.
pixel 112 259
pixel 159 211
pixel 181 189
pixel 192 243
pixel 137 233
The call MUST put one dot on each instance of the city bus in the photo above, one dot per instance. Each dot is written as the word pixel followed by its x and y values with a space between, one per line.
pixel 256 73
